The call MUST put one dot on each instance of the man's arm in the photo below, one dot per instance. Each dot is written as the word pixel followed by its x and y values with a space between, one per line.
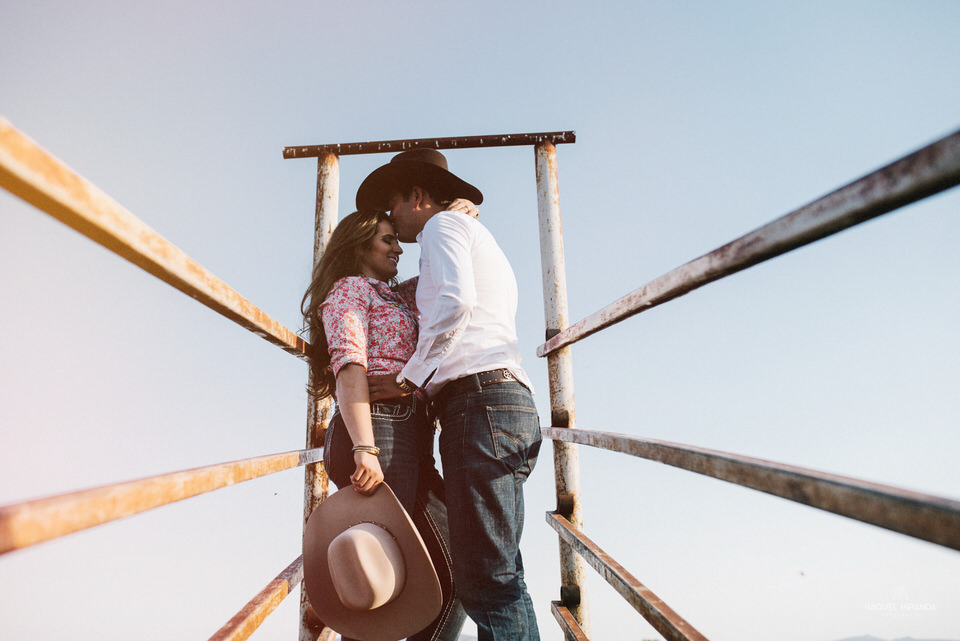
pixel 384 386
pixel 447 286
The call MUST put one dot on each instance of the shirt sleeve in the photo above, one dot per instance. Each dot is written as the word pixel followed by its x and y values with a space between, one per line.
pixel 447 279
pixel 346 315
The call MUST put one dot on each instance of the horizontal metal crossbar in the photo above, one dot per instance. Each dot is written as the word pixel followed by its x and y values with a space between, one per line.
pixel 245 622
pixel 31 522
pixel 32 174
pixel 462 142
pixel 923 516
pixel 667 622
pixel 568 624
pixel 923 173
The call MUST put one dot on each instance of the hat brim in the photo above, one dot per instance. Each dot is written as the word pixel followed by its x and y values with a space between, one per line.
pixel 420 599
pixel 382 183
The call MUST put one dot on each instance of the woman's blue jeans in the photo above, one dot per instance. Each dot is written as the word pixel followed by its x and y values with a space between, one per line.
pixel 489 441
pixel 404 435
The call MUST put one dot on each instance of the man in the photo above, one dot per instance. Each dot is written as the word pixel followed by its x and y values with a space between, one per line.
pixel 468 363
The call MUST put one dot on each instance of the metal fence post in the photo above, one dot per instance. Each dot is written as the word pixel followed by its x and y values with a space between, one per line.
pixel 573 592
pixel 316 482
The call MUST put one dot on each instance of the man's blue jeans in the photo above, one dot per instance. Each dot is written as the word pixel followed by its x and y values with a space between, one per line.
pixel 489 441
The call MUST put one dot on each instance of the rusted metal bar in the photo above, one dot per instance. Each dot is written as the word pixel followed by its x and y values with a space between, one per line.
pixel 461 142
pixel 566 460
pixel 567 622
pixel 328 634
pixel 923 173
pixel 315 482
pixel 32 174
pixel 923 516
pixel 671 625
pixel 245 622
pixel 554 282
pixel 325 219
pixel 31 522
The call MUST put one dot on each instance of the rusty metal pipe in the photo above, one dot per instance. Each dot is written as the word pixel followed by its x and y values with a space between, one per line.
pixel 31 522
pixel 568 624
pixel 328 188
pixel 671 625
pixel 32 174
pixel 316 484
pixel 245 622
pixel 923 516
pixel 923 173
pixel 461 142
pixel 560 371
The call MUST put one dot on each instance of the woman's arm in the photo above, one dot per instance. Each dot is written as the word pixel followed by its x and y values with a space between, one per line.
pixel 353 400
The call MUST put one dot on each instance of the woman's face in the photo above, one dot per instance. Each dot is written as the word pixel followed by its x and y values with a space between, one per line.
pixel 380 259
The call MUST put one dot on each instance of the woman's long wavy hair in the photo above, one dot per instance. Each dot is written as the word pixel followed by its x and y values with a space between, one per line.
pixel 350 239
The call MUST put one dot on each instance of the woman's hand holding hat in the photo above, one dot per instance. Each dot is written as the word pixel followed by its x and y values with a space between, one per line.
pixel 366 570
pixel 368 474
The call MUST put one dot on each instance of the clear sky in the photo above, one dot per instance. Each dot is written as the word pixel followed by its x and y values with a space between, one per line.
pixel 696 123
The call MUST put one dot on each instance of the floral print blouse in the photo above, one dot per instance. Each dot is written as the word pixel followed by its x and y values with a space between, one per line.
pixel 370 324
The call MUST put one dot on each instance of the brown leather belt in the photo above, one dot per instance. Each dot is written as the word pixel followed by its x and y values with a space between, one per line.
pixel 474 382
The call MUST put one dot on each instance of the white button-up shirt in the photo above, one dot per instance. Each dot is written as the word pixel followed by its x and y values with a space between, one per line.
pixel 467 298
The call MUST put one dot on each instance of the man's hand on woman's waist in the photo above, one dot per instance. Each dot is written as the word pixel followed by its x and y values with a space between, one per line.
pixel 384 386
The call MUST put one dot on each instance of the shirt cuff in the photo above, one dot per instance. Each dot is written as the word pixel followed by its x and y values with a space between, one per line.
pixel 416 373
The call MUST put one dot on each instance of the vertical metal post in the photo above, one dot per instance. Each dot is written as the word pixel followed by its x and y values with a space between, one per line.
pixel 316 482
pixel 573 569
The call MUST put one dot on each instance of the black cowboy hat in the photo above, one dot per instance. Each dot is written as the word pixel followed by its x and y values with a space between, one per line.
pixel 426 168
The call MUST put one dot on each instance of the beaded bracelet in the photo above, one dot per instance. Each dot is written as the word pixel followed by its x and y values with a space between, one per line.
pixel 369 449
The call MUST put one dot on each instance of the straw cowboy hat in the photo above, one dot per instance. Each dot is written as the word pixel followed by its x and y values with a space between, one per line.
pixel 424 167
pixel 366 570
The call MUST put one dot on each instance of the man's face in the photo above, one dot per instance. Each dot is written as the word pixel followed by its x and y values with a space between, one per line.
pixel 406 218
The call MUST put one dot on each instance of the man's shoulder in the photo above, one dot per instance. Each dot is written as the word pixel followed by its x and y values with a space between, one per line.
pixel 450 218
pixel 451 222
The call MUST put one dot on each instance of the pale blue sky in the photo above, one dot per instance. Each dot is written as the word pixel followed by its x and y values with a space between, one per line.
pixel 696 122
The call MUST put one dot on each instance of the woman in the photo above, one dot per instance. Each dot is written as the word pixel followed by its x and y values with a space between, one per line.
pixel 360 325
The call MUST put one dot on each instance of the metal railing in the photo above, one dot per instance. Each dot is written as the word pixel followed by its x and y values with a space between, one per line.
pixel 35 176
pixel 928 171
pixel 554 285
pixel 27 171
pixel 32 174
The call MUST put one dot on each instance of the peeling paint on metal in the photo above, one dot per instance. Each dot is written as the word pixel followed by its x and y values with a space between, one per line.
pixel 246 621
pixel 923 173
pixel 32 174
pixel 461 142
pixel 31 522
pixel 923 516
pixel 560 366
pixel 664 619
